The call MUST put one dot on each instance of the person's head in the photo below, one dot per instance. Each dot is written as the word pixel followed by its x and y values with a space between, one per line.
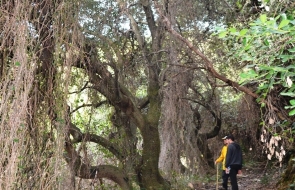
pixel 224 140
pixel 230 138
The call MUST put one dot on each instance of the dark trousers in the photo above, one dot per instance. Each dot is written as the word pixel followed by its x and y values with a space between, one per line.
pixel 224 179
pixel 233 177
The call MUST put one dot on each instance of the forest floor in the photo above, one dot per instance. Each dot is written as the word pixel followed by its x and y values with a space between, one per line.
pixel 254 176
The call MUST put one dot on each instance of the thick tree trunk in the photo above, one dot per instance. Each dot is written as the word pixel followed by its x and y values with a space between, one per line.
pixel 288 177
pixel 150 177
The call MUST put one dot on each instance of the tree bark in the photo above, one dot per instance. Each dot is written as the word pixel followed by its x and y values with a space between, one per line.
pixel 150 177
pixel 289 174
pixel 90 172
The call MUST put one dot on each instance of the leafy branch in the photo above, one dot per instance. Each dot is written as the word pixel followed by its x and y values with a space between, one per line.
pixel 268 47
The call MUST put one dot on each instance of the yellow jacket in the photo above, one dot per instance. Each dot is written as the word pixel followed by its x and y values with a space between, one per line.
pixel 222 156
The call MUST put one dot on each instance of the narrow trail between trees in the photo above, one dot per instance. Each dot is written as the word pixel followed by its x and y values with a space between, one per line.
pixel 253 177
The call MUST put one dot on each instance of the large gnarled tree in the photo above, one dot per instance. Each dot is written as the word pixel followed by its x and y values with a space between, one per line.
pixel 107 50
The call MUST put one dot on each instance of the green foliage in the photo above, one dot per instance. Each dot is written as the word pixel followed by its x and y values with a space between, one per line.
pixel 267 47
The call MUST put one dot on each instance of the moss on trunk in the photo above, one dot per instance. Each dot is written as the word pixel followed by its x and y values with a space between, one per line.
pixel 288 177
pixel 150 177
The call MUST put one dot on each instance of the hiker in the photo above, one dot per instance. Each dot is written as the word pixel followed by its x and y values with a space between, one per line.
pixel 233 161
pixel 222 159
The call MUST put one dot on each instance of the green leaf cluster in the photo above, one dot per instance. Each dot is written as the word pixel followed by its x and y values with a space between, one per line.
pixel 267 46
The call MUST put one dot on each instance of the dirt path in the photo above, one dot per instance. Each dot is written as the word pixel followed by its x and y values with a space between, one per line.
pixel 252 178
